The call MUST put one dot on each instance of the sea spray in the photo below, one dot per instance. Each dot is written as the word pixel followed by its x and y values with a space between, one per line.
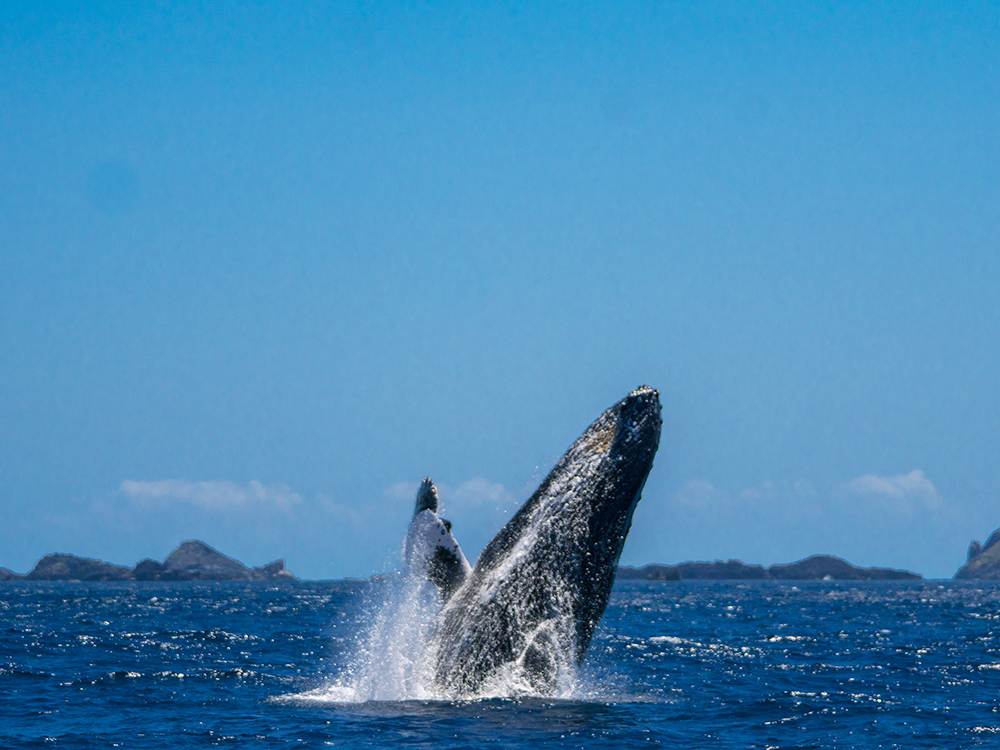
pixel 387 660
pixel 392 654
pixel 391 663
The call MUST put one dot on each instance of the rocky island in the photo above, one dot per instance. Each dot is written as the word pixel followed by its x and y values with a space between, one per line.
pixel 983 560
pixel 196 561
pixel 815 568
pixel 191 561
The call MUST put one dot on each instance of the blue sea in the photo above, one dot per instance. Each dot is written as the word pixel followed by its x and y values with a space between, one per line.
pixel 686 665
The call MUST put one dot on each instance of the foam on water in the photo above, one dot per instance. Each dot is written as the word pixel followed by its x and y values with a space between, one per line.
pixel 393 656
pixel 388 662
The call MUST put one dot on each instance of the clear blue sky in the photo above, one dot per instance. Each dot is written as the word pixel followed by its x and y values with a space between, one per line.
pixel 263 269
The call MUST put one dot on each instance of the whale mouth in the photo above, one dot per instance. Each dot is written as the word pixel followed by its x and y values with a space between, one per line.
pixel 644 391
pixel 641 410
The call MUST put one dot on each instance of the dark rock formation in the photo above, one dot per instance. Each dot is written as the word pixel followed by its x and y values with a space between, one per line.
pixel 994 538
pixel 974 549
pixel 722 570
pixel 61 567
pixel 984 560
pixel 828 567
pixel 203 563
pixel 273 571
pixel 815 568
pixel 649 573
pixel 192 561
pixel 151 570
pixel 10 575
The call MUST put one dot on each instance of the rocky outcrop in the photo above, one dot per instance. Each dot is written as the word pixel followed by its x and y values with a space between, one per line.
pixel 62 567
pixel 720 570
pixel 975 548
pixel 273 571
pixel 815 568
pixel 730 570
pixel 202 562
pixel 196 561
pixel 649 573
pixel 191 561
pixel 152 570
pixel 983 560
pixel 10 575
pixel 828 567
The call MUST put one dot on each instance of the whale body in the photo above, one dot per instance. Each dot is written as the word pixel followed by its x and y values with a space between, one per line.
pixel 526 613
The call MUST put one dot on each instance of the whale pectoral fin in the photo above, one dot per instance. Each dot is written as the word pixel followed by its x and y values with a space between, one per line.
pixel 427 497
pixel 431 550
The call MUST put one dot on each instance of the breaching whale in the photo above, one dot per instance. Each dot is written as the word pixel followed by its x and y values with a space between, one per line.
pixel 526 613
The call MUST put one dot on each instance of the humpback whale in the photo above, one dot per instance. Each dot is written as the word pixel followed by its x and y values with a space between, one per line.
pixel 527 611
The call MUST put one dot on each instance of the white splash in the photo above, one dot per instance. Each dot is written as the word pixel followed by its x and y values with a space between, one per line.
pixel 394 657
pixel 389 662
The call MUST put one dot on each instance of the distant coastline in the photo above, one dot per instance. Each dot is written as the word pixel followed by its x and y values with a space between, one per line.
pixel 814 568
pixel 193 560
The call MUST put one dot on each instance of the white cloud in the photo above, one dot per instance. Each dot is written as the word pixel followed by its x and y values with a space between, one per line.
pixel 700 493
pixel 476 492
pixel 763 490
pixel 903 494
pixel 328 505
pixel 403 491
pixel 215 495
pixel 477 508
pixel 901 485
pixel 902 488
pixel 472 493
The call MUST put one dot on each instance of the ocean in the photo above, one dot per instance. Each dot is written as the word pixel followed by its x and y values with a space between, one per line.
pixel 690 664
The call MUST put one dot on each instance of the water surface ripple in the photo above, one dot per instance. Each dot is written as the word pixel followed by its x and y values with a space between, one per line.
pixel 689 664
